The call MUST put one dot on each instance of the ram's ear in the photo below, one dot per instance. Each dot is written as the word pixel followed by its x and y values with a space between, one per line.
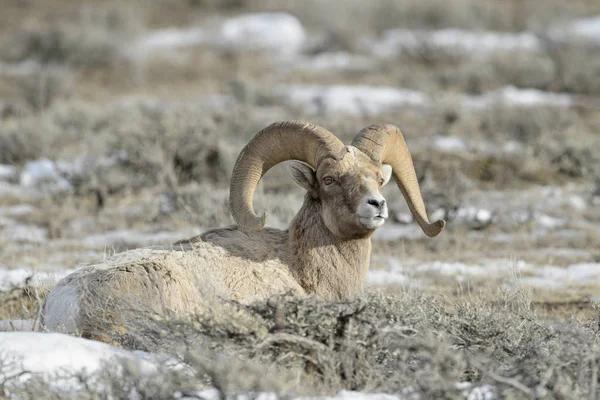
pixel 387 173
pixel 302 174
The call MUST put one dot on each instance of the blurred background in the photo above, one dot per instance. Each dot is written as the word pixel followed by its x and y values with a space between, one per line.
pixel 120 123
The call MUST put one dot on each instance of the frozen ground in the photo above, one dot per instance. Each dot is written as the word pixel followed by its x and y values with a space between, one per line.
pixel 60 359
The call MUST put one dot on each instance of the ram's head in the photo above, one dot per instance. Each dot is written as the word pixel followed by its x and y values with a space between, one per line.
pixel 346 180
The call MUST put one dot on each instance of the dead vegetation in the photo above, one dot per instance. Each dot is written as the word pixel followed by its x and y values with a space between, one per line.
pixel 407 343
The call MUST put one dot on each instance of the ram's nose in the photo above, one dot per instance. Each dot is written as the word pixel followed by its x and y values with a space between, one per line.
pixel 378 203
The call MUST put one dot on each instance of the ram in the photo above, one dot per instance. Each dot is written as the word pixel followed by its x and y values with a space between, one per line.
pixel 324 252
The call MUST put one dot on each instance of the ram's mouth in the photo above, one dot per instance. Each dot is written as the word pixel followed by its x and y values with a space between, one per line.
pixel 373 222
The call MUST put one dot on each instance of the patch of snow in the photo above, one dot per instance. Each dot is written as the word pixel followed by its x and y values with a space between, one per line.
pixel 338 60
pixel 206 394
pixel 214 394
pixel 511 146
pixel 49 354
pixel 43 173
pixel 450 144
pixel 533 97
pixel 513 96
pixel 8 173
pixel 352 395
pixel 547 276
pixel 521 216
pixel 503 238
pixel 383 277
pixel 548 221
pixel 24 234
pixel 16 325
pixel 457 41
pixel 452 268
pixel 16 191
pixel 374 100
pixel 475 217
pixel 586 27
pixel 4 222
pixel 483 392
pixel 172 38
pixel 404 218
pixel 583 272
pixel 279 32
pixel 17 211
pixel 561 252
pixel 556 277
pixel 394 232
pixel 437 214
pixel 577 202
pixel 351 100
pixel 19 277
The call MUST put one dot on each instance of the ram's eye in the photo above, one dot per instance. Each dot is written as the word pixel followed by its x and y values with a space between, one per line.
pixel 381 182
pixel 328 180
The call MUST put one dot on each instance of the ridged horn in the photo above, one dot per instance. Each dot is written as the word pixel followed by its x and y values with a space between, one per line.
pixel 385 144
pixel 281 141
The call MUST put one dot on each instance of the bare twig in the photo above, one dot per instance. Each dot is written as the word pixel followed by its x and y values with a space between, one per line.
pixel 515 384
pixel 38 314
pixel 594 384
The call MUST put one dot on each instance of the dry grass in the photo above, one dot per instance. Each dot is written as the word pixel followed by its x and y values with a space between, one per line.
pixel 404 343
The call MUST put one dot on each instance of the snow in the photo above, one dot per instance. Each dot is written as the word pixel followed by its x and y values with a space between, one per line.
pixel 394 232
pixel 172 38
pixel 374 100
pixel 542 276
pixel 8 172
pixel 43 173
pixel 10 278
pixel 453 269
pixel 548 221
pixel 214 394
pixel 458 41
pixel 512 96
pixel 15 191
pixel 60 359
pixel 279 32
pixel 16 325
pixel 588 28
pixel 49 354
pixel 17 210
pixel 474 216
pixel 383 277
pixel 341 60
pixel 450 144
pixel 532 97
pixel 352 100
pixel 24 234
pixel 577 202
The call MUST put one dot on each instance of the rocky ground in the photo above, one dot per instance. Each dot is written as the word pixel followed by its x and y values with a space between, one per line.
pixel 119 126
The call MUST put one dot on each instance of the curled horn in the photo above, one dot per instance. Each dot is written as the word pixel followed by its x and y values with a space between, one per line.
pixel 281 141
pixel 385 144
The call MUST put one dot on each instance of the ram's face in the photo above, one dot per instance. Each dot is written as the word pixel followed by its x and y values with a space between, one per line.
pixel 349 190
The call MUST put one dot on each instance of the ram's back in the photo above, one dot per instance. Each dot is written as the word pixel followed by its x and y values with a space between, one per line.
pixel 178 279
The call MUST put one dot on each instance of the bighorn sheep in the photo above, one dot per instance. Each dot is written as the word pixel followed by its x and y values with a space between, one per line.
pixel 325 251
